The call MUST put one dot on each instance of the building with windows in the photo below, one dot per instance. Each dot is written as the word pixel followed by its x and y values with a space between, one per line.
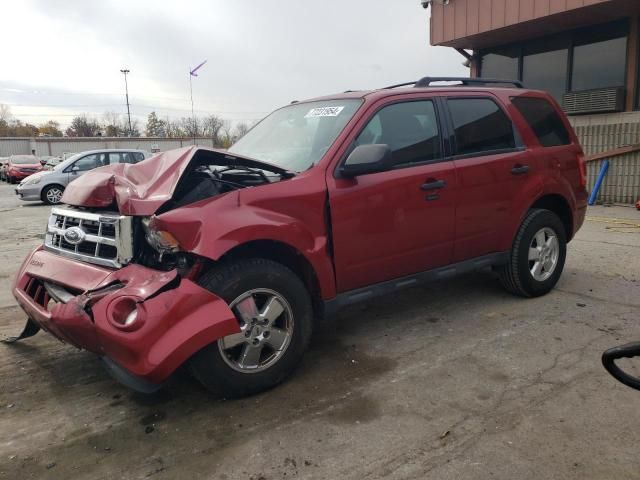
pixel 584 52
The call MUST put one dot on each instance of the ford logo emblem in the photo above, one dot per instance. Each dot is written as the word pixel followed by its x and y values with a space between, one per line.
pixel 74 235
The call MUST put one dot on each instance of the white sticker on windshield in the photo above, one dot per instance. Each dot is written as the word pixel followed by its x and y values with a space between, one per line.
pixel 324 112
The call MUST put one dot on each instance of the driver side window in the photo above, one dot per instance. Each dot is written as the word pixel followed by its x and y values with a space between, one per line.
pixel 86 163
pixel 410 129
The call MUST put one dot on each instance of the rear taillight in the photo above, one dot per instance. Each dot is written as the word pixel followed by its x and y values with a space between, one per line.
pixel 582 165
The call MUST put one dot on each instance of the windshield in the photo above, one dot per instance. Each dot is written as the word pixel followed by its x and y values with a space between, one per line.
pixel 297 136
pixel 24 160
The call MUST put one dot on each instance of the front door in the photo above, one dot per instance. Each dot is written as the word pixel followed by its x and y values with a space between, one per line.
pixel 394 223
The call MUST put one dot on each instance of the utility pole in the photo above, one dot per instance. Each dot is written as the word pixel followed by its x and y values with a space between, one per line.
pixel 126 89
pixel 193 116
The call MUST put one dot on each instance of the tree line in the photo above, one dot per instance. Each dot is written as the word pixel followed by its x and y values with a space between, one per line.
pixel 112 124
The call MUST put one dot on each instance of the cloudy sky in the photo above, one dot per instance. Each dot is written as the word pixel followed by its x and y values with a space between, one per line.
pixel 63 57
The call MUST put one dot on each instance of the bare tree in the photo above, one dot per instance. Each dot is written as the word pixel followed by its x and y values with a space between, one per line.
pixel 241 129
pixel 113 124
pixel 211 127
pixel 227 138
pixel 5 113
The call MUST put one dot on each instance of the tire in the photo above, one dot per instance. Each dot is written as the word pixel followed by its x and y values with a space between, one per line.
pixel 526 276
pixel 217 367
pixel 11 180
pixel 49 194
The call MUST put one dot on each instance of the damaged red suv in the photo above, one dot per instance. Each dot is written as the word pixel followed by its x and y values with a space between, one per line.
pixel 223 260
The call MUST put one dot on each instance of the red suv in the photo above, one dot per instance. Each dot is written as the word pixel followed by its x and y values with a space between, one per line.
pixel 224 259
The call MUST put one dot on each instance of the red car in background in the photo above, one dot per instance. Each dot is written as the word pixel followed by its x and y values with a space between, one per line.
pixel 20 167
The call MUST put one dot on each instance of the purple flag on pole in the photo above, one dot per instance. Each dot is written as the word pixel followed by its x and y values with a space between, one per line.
pixel 193 72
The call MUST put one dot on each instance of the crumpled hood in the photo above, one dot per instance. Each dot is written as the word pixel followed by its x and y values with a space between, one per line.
pixel 137 189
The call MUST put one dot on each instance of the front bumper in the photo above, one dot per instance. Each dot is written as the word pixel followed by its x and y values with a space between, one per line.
pixel 176 317
pixel 29 192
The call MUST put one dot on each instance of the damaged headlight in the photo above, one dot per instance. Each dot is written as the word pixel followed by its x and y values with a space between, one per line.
pixel 161 241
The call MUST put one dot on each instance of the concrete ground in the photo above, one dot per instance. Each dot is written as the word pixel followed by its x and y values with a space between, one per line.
pixel 456 380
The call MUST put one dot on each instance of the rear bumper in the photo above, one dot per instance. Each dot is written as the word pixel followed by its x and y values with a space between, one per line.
pixel 176 317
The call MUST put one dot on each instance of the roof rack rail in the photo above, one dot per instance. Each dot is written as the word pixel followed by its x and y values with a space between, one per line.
pixel 464 81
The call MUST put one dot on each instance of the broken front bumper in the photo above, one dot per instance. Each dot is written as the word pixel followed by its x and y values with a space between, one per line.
pixel 82 304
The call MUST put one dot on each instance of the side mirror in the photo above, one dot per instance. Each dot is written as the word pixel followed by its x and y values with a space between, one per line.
pixel 43 162
pixel 367 159
pixel 609 358
pixel 75 168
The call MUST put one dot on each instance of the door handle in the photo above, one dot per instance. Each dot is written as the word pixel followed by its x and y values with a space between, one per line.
pixel 520 169
pixel 433 184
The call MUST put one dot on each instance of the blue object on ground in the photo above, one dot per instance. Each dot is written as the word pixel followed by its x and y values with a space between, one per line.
pixel 596 188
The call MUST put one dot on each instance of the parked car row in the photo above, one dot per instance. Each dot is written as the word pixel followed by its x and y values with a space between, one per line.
pixel 46 178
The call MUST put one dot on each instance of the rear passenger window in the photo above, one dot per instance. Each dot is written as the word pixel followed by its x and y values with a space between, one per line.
pixel 480 126
pixel 410 129
pixel 543 120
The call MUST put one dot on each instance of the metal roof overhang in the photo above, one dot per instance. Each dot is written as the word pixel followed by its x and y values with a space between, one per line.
pixel 549 25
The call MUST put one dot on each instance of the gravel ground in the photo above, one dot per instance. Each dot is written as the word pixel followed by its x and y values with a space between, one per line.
pixel 456 380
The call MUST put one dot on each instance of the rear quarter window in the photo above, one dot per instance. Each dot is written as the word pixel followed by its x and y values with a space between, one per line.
pixel 543 120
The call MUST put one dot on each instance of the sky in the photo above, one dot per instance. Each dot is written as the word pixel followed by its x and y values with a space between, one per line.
pixel 261 54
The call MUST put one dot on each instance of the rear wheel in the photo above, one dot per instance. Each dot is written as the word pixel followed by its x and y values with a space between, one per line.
pixel 275 317
pixel 52 194
pixel 537 258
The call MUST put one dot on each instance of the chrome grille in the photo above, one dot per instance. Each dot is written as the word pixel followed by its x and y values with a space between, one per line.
pixel 103 238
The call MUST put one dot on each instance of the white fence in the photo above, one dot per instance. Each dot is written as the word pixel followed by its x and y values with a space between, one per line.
pixel 57 146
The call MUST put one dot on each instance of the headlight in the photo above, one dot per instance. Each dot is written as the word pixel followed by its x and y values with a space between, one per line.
pixel 32 181
pixel 160 240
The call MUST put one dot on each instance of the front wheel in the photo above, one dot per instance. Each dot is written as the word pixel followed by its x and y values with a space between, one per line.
pixel 52 195
pixel 537 257
pixel 275 317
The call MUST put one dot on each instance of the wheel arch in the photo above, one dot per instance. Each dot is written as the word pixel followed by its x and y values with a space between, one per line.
pixel 286 255
pixel 560 206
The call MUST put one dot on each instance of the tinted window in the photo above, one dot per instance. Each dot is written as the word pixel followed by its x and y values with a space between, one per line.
pixel 546 70
pixel 543 120
pixel 410 129
pixel 138 157
pixel 480 126
pixel 599 65
pixel 501 63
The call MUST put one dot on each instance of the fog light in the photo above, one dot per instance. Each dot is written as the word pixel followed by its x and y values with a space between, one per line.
pixel 125 313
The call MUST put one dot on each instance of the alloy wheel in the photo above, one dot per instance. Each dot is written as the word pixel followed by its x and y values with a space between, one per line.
pixel 54 195
pixel 544 252
pixel 266 327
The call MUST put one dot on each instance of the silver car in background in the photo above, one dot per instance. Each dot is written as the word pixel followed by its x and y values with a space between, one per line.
pixel 48 186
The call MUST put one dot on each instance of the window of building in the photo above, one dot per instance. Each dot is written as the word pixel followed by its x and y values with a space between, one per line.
pixel 600 64
pixel 544 67
pixel 502 63
pixel 410 129
pixel 582 59
pixel 480 126
pixel 543 120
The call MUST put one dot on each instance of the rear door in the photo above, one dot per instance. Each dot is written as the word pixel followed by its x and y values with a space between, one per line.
pixel 491 165
pixel 390 224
